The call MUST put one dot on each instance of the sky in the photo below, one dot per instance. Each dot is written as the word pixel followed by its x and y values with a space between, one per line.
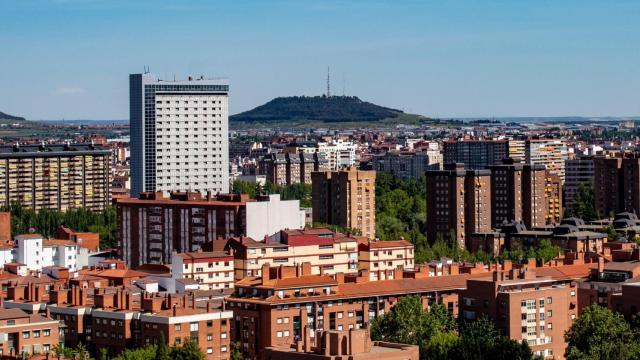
pixel 70 59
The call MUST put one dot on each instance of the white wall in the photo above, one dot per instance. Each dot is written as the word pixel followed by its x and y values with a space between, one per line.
pixel 267 218
pixel 30 251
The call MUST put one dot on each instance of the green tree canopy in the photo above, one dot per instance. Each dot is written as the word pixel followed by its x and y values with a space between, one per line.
pixel 584 203
pixel 601 334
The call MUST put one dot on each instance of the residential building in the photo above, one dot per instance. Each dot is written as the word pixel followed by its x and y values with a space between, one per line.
pixel 526 307
pixel 518 194
pixel 517 150
pixel 552 153
pixel 36 252
pixel 327 252
pixel 475 154
pixel 338 153
pixel 381 258
pixel 579 171
pixel 56 177
pixel 345 198
pixel 290 168
pixel 151 227
pixel 458 203
pixel 553 198
pixel 405 164
pixel 213 270
pixel 608 185
pixel 27 334
pixel 179 134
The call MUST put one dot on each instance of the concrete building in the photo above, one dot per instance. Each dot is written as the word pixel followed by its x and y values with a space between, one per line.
pixel 57 177
pixel 213 270
pixel 552 153
pixel 535 309
pixel 338 153
pixel 179 134
pixel 405 164
pixel 458 203
pixel 36 252
pixel 290 168
pixel 475 154
pixel 517 150
pixel 326 252
pixel 608 185
pixel 345 198
pixel 152 227
pixel 553 198
pixel 577 171
pixel 381 258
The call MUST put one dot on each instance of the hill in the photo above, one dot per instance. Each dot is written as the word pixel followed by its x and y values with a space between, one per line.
pixel 332 109
pixel 4 116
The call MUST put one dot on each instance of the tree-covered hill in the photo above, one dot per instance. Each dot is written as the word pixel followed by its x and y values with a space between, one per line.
pixel 4 116
pixel 327 109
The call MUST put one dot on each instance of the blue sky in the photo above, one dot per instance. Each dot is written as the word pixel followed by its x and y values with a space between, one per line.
pixel 71 58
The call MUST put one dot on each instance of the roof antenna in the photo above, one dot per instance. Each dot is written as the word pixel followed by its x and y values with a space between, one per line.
pixel 328 82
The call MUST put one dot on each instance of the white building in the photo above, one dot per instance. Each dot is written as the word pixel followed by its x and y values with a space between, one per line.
pixel 179 134
pixel 267 218
pixel 552 153
pixel 36 252
pixel 338 153
pixel 212 270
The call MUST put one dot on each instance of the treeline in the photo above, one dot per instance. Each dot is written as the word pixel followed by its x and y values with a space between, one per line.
pixel 300 191
pixel 439 336
pixel 45 222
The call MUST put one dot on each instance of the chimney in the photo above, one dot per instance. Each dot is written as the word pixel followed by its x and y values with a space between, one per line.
pixel 600 265
pixel 265 273
pixel 174 310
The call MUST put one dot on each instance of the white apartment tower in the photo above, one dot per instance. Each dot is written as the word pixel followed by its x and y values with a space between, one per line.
pixel 179 134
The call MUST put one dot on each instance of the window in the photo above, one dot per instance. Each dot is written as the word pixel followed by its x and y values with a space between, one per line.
pixel 549 300
pixel 209 350
pixel 223 348
pixel 193 326
pixel 177 327
pixel 26 334
pixel 36 333
pixel 209 337
pixel 279 334
pixel 223 335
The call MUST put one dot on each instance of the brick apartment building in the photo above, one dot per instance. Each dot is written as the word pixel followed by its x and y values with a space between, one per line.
pixel 27 333
pixel 535 309
pixel 211 269
pixel 458 201
pixel 345 198
pixel 291 168
pixel 152 227
pixel 381 258
pixel 475 154
pixel 326 251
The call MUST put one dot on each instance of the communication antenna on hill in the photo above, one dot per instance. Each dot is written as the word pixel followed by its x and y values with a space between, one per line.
pixel 328 82
pixel 146 69
pixel 344 86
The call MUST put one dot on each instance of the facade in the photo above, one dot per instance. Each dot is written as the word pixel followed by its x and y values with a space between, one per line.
pixel 405 164
pixel 339 154
pixel 607 185
pixel 36 252
pixel 179 135
pixel 381 258
pixel 345 198
pixel 577 171
pixel 518 194
pixel 516 150
pixel 458 203
pixel 290 168
pixel 552 153
pixel 57 177
pixel 213 270
pixel 553 196
pixel 326 252
pixel 152 227
pixel 27 333
pixel 535 309
pixel 476 154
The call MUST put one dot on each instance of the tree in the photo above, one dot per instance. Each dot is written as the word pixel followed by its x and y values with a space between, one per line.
pixel 546 251
pixel 236 354
pixel 188 351
pixel 583 204
pixel 601 334
pixel 480 340
pixel 145 353
pixel 163 352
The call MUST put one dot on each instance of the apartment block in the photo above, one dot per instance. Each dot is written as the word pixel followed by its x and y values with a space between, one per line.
pixel 608 185
pixel 475 154
pixel 517 150
pixel 153 226
pixel 458 203
pixel 552 153
pixel 57 177
pixel 553 197
pixel 27 333
pixel 405 164
pixel 338 154
pixel 518 194
pixel 326 252
pixel 280 307
pixel 345 198
pixel 179 134
pixel 577 171
pixel 213 270
pixel 290 168
pixel 527 307
pixel 381 258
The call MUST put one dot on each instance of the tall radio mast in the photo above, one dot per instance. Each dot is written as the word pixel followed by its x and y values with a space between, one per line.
pixel 328 82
